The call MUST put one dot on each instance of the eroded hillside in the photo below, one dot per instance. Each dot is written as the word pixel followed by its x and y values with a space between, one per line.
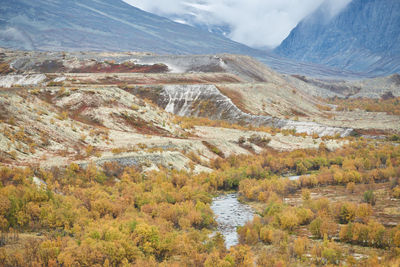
pixel 131 107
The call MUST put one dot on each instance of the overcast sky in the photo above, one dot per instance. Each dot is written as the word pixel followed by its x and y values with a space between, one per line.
pixel 253 22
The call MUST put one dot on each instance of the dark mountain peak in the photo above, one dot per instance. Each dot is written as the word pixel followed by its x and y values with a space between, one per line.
pixel 364 36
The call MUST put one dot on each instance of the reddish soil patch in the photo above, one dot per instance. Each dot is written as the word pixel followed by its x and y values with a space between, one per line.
pixel 161 79
pixel 373 132
pixel 151 93
pixel 144 127
pixel 50 66
pixel 4 114
pixel 126 67
pixel 5 158
pixel 236 98
pixel 223 78
pixel 213 149
pixel 5 68
pixel 77 116
pixel 298 113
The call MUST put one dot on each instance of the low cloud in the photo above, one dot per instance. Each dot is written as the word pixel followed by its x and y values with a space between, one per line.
pixel 257 23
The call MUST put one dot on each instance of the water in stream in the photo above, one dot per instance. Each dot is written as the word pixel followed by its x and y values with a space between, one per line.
pixel 296 177
pixel 230 214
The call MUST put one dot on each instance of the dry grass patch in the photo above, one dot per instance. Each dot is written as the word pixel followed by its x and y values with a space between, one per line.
pixel 235 96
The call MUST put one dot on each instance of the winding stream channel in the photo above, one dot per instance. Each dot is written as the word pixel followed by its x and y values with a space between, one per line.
pixel 230 214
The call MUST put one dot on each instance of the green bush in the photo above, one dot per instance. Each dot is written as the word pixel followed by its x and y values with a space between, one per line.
pixel 369 197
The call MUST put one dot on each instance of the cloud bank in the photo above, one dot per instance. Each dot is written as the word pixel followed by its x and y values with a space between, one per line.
pixel 257 23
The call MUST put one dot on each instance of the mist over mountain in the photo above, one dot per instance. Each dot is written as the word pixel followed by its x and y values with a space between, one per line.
pixel 363 37
pixel 103 25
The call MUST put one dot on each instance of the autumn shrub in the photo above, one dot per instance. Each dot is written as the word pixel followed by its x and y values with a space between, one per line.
pixel 364 211
pixel 304 215
pixel 117 216
pixel 53 83
pixel 242 256
pixel 214 259
pixel 269 258
pixel 273 207
pixel 266 234
pixel 369 197
pixel 300 245
pixel 320 206
pixel 305 194
pixel 287 219
pixel 351 187
pixel 371 234
pixel 394 138
pixel 322 226
pixel 213 149
pixel 326 253
pixel 396 192
pixel 346 212
pixel 390 105
pixel 331 253
pixel 258 140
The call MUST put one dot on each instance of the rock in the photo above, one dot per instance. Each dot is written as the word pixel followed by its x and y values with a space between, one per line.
pixel 208 101
pixel 22 80
pixel 39 182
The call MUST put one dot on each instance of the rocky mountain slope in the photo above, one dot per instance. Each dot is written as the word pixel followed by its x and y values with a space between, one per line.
pixel 364 37
pixel 102 25
pixel 364 88
pixel 253 87
pixel 151 111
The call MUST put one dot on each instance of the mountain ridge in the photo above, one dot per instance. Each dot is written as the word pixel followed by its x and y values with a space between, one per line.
pixel 363 37
pixel 102 25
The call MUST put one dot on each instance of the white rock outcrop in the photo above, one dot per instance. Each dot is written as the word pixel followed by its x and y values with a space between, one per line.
pixel 23 80
pixel 184 100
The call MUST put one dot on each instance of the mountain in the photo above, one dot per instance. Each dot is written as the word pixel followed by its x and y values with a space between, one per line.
pixel 113 25
pixel 103 25
pixel 199 16
pixel 363 37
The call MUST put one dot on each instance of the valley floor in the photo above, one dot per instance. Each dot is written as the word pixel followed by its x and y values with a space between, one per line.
pixel 117 160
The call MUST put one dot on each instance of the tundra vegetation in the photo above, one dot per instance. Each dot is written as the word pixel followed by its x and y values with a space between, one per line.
pixel 66 201
pixel 388 104
pixel 120 216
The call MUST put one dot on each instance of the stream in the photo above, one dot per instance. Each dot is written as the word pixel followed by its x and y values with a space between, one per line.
pixel 296 177
pixel 230 214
